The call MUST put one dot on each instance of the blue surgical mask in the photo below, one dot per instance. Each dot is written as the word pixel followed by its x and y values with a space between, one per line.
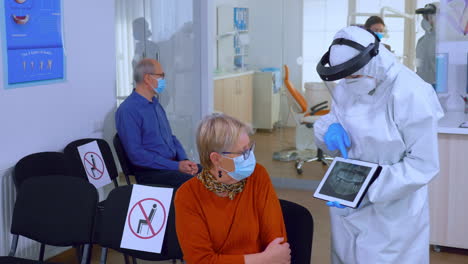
pixel 161 85
pixel 243 168
pixel 379 35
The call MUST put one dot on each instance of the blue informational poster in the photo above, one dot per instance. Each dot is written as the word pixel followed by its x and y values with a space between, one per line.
pixel 34 44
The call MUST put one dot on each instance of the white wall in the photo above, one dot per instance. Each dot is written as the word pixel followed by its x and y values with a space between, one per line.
pixel 47 117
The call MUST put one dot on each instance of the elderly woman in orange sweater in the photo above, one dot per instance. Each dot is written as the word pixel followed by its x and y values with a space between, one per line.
pixel 229 213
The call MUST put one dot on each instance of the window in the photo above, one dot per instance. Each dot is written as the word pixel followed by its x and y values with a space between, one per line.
pixel 322 19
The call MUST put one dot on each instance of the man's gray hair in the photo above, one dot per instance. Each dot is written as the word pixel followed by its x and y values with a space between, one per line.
pixel 143 67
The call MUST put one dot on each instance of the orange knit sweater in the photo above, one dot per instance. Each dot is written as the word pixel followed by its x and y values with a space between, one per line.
pixel 213 229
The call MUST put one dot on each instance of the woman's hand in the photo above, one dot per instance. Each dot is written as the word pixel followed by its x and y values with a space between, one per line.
pixel 277 253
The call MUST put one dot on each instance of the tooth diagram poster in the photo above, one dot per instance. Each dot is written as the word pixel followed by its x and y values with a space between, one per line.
pixel 34 45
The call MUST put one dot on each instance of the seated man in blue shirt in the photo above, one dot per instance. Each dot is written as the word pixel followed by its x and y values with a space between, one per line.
pixel 145 132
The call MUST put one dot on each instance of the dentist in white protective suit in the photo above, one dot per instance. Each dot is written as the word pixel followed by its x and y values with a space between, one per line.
pixel 382 113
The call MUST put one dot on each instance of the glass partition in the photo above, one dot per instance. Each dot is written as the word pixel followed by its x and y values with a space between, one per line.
pixel 254 40
pixel 162 30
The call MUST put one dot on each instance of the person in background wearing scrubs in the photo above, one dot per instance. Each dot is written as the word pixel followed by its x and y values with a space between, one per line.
pixel 382 113
pixel 377 25
pixel 426 46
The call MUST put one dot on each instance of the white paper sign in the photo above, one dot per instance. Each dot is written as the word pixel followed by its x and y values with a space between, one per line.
pixel 94 164
pixel 145 225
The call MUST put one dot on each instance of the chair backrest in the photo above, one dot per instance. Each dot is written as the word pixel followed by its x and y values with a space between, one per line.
pixel 300 229
pixel 55 210
pixel 127 167
pixel 75 162
pixel 40 164
pixel 298 102
pixel 111 221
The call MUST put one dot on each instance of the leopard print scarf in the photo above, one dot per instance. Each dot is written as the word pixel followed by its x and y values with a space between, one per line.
pixel 217 187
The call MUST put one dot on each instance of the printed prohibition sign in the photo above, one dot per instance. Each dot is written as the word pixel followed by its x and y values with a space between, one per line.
pixel 94 166
pixel 150 222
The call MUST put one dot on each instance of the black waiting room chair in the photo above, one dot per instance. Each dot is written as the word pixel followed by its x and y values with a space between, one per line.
pixel 110 226
pixel 127 167
pixel 300 229
pixel 75 162
pixel 53 210
pixel 36 165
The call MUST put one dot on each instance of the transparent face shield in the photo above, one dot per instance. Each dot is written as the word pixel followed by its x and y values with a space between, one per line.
pixel 348 89
pixel 355 96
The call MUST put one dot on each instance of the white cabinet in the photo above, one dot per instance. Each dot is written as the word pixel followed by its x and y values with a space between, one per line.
pixel 448 195
pixel 266 101
pixel 233 96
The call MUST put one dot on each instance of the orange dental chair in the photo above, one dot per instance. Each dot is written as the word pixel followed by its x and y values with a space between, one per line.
pixel 306 150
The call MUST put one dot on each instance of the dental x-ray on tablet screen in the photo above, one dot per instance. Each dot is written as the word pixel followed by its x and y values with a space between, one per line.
pixel 346 181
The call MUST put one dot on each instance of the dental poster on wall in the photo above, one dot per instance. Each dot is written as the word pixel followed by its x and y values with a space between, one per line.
pixel 34 46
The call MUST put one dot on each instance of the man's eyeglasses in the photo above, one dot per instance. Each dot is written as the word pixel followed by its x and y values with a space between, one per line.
pixel 163 75
pixel 245 153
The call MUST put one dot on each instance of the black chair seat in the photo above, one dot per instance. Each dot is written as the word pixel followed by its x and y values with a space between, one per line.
pixel 55 210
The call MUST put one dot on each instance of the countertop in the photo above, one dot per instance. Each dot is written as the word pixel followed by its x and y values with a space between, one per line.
pixel 224 75
pixel 450 122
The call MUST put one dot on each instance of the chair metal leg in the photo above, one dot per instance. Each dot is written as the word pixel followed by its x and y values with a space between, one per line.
pixel 14 245
pixel 86 254
pixel 299 164
pixel 79 252
pixel 312 159
pixel 126 259
pixel 41 252
pixel 116 184
pixel 103 259
pixel 127 179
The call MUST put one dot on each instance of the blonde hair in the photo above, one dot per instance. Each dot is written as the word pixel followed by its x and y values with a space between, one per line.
pixel 218 133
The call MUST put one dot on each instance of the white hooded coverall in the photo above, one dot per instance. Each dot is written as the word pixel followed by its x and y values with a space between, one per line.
pixel 395 127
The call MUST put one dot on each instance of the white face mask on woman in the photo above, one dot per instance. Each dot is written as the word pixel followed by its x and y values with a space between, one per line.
pixel 361 86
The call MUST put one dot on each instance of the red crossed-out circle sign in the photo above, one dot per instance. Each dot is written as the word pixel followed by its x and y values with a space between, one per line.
pixel 154 231
pixel 93 164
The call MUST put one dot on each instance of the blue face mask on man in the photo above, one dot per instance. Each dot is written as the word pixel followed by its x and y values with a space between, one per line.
pixel 243 168
pixel 161 85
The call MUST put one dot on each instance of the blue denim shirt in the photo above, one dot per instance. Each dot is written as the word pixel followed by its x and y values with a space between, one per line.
pixel 146 134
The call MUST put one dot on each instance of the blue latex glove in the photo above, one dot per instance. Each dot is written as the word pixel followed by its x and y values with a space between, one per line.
pixel 337 138
pixel 335 204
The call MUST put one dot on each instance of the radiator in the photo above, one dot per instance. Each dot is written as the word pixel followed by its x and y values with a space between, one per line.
pixel 26 248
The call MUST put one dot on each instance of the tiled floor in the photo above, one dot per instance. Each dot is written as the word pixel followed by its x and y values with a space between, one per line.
pixel 266 144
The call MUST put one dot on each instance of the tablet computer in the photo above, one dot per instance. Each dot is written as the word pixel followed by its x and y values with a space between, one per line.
pixel 347 181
